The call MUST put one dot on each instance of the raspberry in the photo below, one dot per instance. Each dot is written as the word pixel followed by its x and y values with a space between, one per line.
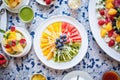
pixel 101 22
pixel 7 46
pixel 48 1
pixel 111 43
pixel 110 33
pixel 12 28
pixel 22 41
pixel 102 12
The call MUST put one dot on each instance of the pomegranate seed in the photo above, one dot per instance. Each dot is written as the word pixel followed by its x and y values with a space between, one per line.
pixel 102 12
pixel 111 43
pixel 101 22
pixel 110 33
pixel 12 28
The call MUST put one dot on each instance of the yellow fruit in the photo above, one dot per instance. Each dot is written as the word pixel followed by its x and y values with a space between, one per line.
pixel 108 27
pixel 109 1
pixel 118 39
pixel 12 35
pixel 45 52
pixel 112 11
pixel 109 5
pixel 50 55
pixel 44 40
pixel 103 32
pixel 9 50
pixel 42 45
pixel 18 48
pixel 50 28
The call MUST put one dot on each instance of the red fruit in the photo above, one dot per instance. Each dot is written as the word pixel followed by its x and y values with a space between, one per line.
pixel 7 46
pixel 22 41
pixel 110 33
pixel 48 1
pixel 102 12
pixel 3 61
pixel 1 57
pixel 13 43
pixel 12 28
pixel 111 43
pixel 111 18
pixel 107 20
pixel 101 22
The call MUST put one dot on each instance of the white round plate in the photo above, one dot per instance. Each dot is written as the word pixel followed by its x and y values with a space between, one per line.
pixel 26 2
pixel 82 76
pixel 96 31
pixel 42 2
pixel 77 58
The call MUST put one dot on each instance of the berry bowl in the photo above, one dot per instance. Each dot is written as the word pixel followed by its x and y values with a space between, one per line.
pixel 3 60
pixel 16 42
pixel 46 2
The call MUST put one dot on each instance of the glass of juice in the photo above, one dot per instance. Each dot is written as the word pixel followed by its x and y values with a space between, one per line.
pixel 26 14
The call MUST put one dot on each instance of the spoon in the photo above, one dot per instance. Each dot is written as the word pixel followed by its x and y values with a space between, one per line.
pixel 2 11
pixel 1 2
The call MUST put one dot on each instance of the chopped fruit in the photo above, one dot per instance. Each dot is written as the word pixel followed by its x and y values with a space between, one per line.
pixel 109 1
pixel 110 33
pixel 101 22
pixel 112 11
pixel 12 28
pixel 118 39
pixel 3 61
pixel 60 47
pixel 103 32
pixel 1 57
pixel 102 12
pixel 13 3
pixel 108 27
pixel 111 43
pixel 7 46
pixel 109 5
pixel 13 43
pixel 22 41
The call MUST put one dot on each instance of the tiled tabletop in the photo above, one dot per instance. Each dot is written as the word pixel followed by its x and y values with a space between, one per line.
pixel 95 62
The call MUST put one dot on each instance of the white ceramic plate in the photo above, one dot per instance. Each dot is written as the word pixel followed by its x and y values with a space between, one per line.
pixel 96 31
pixel 77 58
pixel 16 10
pixel 42 2
pixel 73 76
pixel 3 22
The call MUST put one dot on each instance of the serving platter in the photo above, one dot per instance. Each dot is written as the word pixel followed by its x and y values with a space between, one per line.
pixel 77 58
pixel 96 32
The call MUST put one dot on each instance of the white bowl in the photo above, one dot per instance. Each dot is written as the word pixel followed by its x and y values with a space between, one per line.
pixel 42 2
pixel 17 7
pixel 37 74
pixel 28 40
pixel 4 65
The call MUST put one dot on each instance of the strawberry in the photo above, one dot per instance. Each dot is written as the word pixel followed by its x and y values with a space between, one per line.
pixel 22 41
pixel 3 61
pixel 110 33
pixel 12 28
pixel 101 22
pixel 111 43
pixel 48 1
pixel 102 12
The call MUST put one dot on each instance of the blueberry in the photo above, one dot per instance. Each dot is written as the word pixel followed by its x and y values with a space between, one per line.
pixel 57 39
pixel 64 36
pixel 60 44
pixel 61 40
pixel 64 40
pixel 56 42
pixel 60 48
pixel 57 46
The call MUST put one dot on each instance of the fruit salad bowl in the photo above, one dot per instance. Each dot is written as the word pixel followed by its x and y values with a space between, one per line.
pixel 3 60
pixel 16 42
pixel 13 4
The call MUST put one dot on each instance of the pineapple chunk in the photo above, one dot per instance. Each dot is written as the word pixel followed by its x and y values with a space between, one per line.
pixel 112 11
pixel 118 39
pixel 18 48
pixel 46 51
pixel 109 1
pixel 108 27
pixel 18 36
pixel 109 5
pixel 103 32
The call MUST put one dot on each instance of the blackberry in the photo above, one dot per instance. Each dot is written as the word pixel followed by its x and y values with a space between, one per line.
pixel 114 23
pixel 118 31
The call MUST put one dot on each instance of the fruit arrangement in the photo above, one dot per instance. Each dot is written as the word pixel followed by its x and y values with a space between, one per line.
pixel 12 3
pixel 3 60
pixel 60 41
pixel 14 42
pixel 109 22
pixel 48 1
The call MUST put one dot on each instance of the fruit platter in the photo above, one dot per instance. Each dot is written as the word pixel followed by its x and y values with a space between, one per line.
pixel 61 42
pixel 105 27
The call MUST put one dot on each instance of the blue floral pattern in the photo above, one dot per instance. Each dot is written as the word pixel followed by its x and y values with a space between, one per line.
pixel 95 62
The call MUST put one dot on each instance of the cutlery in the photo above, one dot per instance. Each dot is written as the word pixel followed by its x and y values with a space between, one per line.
pixel 77 77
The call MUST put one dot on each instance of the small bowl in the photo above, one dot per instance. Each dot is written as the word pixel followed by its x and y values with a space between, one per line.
pixel 42 2
pixel 38 74
pixel 27 47
pixel 26 14
pixel 14 8
pixel 4 65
